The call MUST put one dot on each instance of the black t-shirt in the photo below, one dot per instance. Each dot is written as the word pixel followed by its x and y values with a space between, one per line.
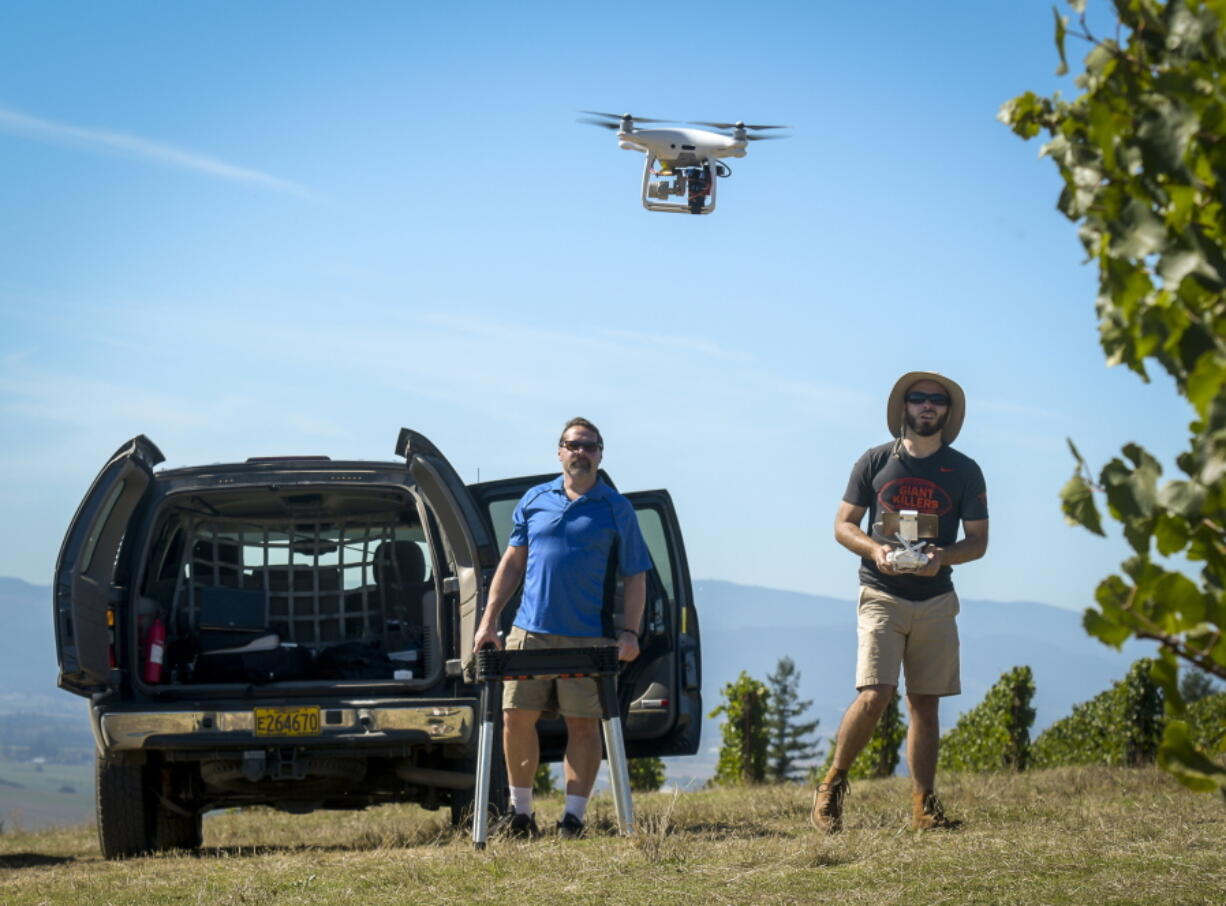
pixel 947 483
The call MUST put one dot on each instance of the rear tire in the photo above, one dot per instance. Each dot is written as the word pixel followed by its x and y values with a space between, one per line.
pixel 177 831
pixel 124 809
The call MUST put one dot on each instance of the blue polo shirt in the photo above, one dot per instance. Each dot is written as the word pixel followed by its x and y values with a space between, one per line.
pixel 574 549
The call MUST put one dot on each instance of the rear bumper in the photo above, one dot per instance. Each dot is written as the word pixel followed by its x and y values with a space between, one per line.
pixel 356 725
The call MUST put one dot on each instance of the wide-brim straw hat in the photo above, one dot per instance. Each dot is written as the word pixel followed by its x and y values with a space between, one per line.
pixel 896 408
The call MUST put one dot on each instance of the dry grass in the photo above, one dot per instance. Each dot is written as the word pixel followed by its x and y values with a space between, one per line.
pixel 1076 836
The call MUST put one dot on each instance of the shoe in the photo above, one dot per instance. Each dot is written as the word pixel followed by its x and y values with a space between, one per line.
pixel 570 827
pixel 517 826
pixel 929 814
pixel 828 805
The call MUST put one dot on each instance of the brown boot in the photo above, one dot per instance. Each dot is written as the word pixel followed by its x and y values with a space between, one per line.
pixel 929 814
pixel 828 803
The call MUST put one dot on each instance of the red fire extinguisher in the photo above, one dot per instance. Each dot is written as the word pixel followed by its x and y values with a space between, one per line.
pixel 155 646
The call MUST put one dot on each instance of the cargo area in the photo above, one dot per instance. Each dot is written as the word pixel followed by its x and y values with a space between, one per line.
pixel 267 586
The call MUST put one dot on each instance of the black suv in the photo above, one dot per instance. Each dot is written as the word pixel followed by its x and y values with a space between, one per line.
pixel 297 632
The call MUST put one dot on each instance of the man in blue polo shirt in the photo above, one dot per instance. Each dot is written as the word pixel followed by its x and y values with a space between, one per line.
pixel 571 537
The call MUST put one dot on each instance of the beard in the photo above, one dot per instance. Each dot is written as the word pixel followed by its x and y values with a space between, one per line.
pixel 579 466
pixel 927 429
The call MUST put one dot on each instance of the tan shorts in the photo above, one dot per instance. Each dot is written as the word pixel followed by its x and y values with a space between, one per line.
pixel 568 697
pixel 921 637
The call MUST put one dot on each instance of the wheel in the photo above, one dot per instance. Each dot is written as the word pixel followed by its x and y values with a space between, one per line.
pixel 124 809
pixel 175 830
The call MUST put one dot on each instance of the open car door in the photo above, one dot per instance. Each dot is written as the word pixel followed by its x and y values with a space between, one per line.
pixel 85 592
pixel 467 544
pixel 664 684
pixel 660 691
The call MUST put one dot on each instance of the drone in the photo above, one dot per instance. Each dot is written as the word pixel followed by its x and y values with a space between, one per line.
pixel 688 159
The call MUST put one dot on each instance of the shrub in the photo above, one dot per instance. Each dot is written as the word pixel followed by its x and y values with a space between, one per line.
pixel 995 734
pixel 880 757
pixel 742 757
pixel 1207 723
pixel 1123 725
pixel 543 782
pixel 646 774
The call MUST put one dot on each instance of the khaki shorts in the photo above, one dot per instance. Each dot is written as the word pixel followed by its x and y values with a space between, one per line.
pixel 921 637
pixel 568 697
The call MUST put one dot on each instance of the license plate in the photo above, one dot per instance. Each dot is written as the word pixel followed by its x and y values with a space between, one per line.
pixel 287 721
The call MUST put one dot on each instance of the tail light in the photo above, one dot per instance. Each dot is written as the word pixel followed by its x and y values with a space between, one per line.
pixel 112 660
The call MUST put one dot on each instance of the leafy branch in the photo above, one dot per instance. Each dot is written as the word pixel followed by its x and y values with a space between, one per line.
pixel 1143 162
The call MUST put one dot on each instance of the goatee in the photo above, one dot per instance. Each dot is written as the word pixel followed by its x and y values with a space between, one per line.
pixel 927 429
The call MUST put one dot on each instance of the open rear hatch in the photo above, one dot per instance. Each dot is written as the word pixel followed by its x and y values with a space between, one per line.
pixel 294 587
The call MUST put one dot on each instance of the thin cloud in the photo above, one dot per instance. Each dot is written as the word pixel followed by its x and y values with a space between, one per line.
pixel 691 344
pixel 116 142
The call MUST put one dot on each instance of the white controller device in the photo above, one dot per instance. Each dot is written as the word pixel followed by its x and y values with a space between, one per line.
pixel 910 556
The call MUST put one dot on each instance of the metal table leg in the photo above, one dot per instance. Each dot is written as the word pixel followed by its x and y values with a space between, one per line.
pixel 615 747
pixel 485 758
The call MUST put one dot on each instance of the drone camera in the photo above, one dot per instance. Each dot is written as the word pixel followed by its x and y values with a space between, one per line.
pixel 663 188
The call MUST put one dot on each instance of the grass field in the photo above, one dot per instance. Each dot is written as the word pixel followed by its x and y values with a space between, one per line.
pixel 1075 836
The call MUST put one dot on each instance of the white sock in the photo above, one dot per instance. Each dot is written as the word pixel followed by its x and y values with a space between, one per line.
pixel 576 805
pixel 521 800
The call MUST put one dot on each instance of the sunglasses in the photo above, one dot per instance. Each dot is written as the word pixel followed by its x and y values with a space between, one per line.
pixel 587 446
pixel 915 397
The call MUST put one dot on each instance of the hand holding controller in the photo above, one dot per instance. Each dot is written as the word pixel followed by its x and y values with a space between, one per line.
pixel 908 558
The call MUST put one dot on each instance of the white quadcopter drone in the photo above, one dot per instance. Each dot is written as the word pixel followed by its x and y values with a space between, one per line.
pixel 688 158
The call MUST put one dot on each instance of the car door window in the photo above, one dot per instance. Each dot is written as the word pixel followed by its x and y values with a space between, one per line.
pixel 651 524
pixel 101 524
pixel 502 514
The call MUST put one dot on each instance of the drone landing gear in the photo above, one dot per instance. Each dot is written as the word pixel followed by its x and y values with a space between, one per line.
pixel 695 183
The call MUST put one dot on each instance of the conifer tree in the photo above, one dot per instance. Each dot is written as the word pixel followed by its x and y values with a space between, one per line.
pixel 790 743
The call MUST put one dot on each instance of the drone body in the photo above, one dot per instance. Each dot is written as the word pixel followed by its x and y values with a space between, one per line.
pixel 689 159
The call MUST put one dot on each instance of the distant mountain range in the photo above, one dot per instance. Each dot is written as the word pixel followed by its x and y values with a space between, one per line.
pixel 746 627
pixel 743 627
pixel 28 667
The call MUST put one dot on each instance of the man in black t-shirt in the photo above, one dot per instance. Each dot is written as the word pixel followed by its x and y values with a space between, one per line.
pixel 906 613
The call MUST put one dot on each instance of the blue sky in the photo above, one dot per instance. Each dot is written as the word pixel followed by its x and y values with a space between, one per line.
pixel 249 229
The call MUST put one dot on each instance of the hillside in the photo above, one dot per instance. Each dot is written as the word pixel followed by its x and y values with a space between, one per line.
pixel 27 651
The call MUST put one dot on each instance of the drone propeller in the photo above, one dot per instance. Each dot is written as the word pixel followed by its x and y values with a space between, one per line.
pixel 620 117
pixel 591 121
pixel 738 125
